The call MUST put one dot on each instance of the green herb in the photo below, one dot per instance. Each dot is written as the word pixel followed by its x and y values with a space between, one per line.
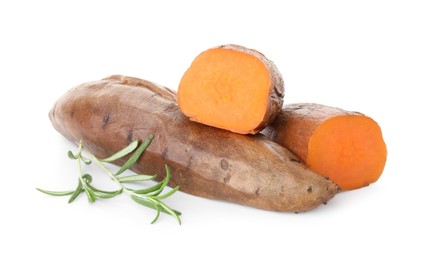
pixel 150 197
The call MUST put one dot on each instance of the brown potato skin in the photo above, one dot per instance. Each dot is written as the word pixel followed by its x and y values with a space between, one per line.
pixel 251 170
pixel 297 122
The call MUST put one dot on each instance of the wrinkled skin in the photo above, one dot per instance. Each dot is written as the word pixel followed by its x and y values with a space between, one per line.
pixel 251 170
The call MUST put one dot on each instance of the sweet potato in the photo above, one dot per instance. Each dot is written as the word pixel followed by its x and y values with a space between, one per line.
pixel 252 170
pixel 233 88
pixel 347 147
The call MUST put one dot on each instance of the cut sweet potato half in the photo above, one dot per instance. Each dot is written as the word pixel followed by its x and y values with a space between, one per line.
pixel 347 147
pixel 233 88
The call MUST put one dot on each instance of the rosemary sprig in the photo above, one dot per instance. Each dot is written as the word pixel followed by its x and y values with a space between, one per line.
pixel 150 197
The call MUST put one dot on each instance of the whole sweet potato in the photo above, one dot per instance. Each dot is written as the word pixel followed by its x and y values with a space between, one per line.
pixel 252 170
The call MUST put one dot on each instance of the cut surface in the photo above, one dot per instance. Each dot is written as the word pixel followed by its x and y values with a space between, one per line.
pixel 349 150
pixel 226 88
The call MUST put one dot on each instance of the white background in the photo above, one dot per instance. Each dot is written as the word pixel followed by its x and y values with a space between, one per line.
pixel 376 57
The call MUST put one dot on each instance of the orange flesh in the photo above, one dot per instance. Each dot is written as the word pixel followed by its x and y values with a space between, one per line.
pixel 349 150
pixel 226 89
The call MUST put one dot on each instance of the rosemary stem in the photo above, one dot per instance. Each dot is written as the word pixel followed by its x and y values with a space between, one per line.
pixel 79 159
pixel 108 172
